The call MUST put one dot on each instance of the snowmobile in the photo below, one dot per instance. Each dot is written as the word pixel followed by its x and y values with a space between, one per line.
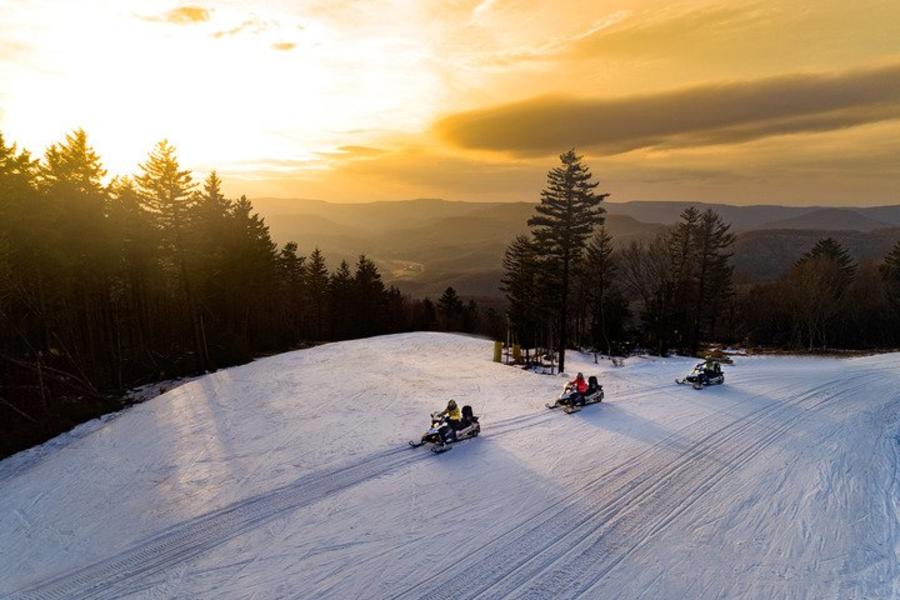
pixel 572 401
pixel 440 435
pixel 705 373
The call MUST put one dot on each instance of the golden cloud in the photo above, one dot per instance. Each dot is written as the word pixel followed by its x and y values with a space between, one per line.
pixel 730 112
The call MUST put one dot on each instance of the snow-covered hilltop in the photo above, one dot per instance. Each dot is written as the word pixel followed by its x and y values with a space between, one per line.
pixel 290 477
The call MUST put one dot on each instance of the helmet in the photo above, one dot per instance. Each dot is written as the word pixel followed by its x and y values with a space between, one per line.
pixel 452 405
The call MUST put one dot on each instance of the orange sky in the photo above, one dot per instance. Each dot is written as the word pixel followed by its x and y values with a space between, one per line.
pixel 773 101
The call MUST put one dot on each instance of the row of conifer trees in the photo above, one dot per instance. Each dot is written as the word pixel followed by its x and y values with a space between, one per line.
pixel 107 285
pixel 567 284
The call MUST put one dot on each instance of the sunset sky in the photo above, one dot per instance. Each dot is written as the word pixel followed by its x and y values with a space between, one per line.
pixel 775 101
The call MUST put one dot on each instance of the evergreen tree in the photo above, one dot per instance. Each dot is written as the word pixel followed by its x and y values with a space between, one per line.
pixel 521 284
pixel 253 266
pixel 70 180
pixel 451 310
pixel 166 190
pixel 341 298
pixel 369 294
pixel 832 250
pixel 425 316
pixel 292 275
pixel 396 307
pixel 711 275
pixel 890 272
pixel 646 275
pixel 817 285
pixel 138 273
pixel 566 216
pixel 73 164
pixel 317 293
pixel 208 235
pixel 470 317
pixel 682 275
pixel 607 307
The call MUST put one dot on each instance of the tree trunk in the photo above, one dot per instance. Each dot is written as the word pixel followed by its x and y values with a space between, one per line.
pixel 563 314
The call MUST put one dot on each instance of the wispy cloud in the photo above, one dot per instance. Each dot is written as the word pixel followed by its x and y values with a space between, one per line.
pixel 252 25
pixel 284 46
pixel 352 152
pixel 482 7
pixel 182 15
pixel 665 31
pixel 627 33
pixel 695 116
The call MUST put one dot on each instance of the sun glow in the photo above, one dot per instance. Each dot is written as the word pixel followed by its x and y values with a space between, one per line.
pixel 229 91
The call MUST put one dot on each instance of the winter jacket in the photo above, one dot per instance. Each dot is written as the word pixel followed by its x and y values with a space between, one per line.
pixel 454 415
pixel 580 384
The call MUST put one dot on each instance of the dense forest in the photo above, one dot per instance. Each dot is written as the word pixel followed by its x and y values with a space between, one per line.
pixel 106 285
pixel 566 285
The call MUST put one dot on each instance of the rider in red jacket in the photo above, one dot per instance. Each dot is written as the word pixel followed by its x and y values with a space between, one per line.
pixel 580 384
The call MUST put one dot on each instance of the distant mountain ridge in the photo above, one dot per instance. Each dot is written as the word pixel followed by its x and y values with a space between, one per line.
pixel 768 216
pixel 424 245
pixel 837 219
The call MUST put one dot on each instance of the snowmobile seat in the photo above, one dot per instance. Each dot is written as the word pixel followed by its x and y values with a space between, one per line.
pixel 468 416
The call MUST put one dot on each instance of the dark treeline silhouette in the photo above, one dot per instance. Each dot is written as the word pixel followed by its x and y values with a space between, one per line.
pixel 105 286
pixel 677 291
pixel 826 300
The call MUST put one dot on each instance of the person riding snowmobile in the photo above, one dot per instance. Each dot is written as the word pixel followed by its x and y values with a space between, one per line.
pixel 712 368
pixel 454 420
pixel 453 414
pixel 580 385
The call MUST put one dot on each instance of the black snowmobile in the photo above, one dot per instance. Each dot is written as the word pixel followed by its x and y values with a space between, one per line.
pixel 441 434
pixel 572 400
pixel 705 373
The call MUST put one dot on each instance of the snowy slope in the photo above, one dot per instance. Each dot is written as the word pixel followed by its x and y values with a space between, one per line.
pixel 289 478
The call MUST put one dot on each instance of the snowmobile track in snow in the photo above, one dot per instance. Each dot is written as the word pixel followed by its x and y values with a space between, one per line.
pixel 111 577
pixel 578 542
pixel 107 578
pixel 597 526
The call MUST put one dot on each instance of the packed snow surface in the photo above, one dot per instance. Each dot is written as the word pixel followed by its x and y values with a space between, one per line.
pixel 291 477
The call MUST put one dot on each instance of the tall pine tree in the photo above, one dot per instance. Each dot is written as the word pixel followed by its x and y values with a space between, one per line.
pixel 566 216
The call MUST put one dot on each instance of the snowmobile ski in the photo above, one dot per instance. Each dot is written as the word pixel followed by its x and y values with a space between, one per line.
pixel 413 444
pixel 574 408
pixel 440 449
pixel 552 406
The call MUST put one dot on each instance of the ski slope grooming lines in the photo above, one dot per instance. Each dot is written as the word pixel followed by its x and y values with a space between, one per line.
pixel 269 480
